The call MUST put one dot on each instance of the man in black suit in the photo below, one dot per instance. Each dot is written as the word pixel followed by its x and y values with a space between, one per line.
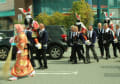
pixel 99 37
pixel 43 39
pixel 70 42
pixel 117 41
pixel 77 41
pixel 107 39
pixel 91 35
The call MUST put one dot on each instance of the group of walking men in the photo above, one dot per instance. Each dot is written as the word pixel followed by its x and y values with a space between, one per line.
pixel 105 36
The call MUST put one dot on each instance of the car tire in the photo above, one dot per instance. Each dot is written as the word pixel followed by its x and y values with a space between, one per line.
pixel 55 52
pixel 3 53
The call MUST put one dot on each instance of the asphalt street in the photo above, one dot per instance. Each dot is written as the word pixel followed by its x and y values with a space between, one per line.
pixel 63 72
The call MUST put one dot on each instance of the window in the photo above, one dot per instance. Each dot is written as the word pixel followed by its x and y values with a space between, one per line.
pixel 116 12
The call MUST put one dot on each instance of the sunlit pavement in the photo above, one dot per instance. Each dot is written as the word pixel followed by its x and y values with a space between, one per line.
pixel 63 72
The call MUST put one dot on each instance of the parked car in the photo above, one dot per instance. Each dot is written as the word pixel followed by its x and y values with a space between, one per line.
pixel 5 46
pixel 57 44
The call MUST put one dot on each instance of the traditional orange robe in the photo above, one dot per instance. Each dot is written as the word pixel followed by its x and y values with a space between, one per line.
pixel 23 65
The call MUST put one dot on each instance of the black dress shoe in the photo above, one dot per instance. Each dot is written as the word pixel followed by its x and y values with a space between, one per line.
pixel 41 67
pixel 116 56
pixel 70 60
pixel 46 67
pixel 88 61
pixel 74 63
pixel 107 58
pixel 33 65
pixel 97 60
pixel 84 61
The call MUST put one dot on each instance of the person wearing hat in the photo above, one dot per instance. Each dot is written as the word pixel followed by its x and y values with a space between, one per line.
pixel 33 41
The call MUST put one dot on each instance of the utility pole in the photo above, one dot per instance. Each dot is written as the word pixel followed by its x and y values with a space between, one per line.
pixel 90 3
pixel 98 11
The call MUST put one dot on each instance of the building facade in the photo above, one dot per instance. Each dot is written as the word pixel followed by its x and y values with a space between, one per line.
pixel 9 8
pixel 109 6
pixel 9 12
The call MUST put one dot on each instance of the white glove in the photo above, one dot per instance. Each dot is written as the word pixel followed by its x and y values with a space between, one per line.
pixel 19 51
pixel 115 41
pixel 39 46
pixel 87 42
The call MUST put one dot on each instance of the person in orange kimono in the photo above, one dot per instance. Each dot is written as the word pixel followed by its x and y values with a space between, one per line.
pixel 23 65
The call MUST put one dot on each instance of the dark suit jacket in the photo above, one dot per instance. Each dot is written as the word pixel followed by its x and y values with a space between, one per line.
pixel 78 40
pixel 43 38
pixel 29 36
pixel 93 38
pixel 118 37
pixel 69 41
pixel 108 37
pixel 99 34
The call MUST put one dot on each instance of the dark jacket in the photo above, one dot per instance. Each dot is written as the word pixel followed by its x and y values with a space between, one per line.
pixel 99 34
pixel 93 38
pixel 43 38
pixel 108 37
pixel 78 39
pixel 118 37
pixel 69 41
pixel 30 38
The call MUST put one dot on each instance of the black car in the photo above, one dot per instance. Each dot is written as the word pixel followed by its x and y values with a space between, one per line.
pixel 5 46
pixel 57 44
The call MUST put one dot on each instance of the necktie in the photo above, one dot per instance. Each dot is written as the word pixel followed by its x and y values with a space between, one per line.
pixel 100 30
pixel 40 33
pixel 89 34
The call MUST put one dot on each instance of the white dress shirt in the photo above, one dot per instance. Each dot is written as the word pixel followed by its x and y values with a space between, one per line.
pixel 90 33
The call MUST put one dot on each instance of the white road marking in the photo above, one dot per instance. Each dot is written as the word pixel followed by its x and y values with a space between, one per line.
pixel 57 73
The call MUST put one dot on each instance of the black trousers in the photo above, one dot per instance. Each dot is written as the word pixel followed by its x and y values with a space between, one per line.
pixel 31 57
pixel 88 47
pixel 79 50
pixel 71 57
pixel 106 47
pixel 100 43
pixel 115 47
pixel 41 56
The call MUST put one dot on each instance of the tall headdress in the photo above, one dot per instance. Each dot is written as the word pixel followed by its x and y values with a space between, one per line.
pixel 28 18
pixel 107 17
